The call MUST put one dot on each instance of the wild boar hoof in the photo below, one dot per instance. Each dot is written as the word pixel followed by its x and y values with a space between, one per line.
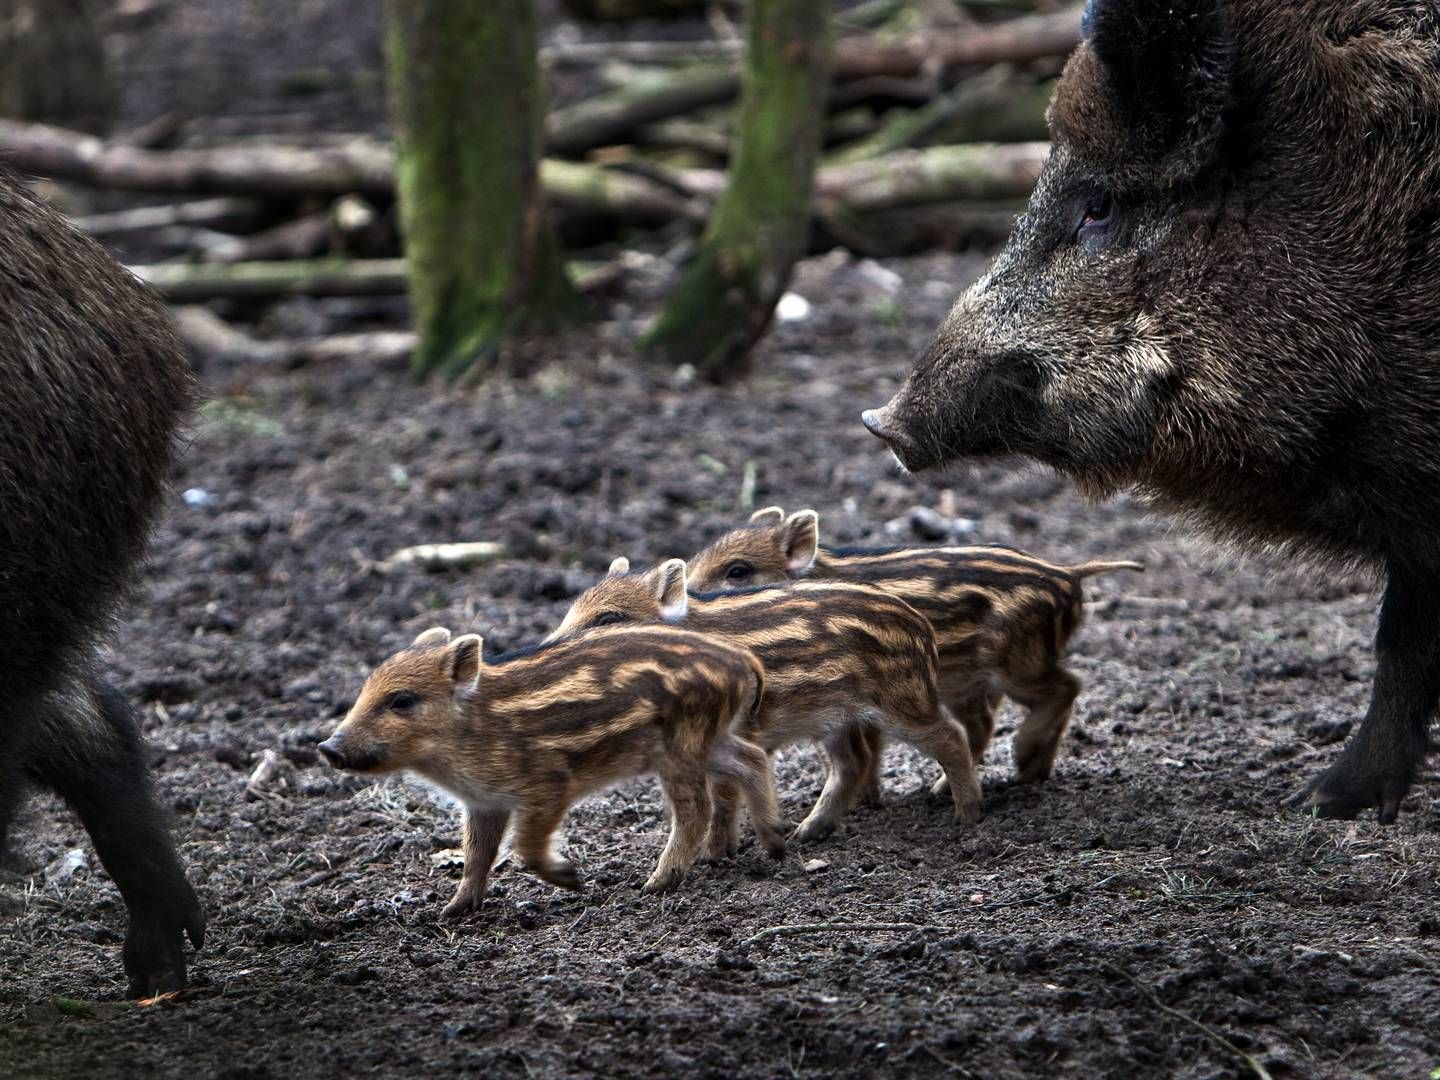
pixel 719 850
pixel 941 788
pixel 1343 790
pixel 662 881
pixel 463 903
pixel 563 875
pixel 968 814
pixel 154 953
pixel 812 829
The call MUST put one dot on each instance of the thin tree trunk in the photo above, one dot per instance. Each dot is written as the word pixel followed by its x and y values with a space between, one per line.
pixel 53 66
pixel 761 223
pixel 467 107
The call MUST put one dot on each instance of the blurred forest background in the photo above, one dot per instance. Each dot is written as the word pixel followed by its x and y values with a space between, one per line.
pixel 539 158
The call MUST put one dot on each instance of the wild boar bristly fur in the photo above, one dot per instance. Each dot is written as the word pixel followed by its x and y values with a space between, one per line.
pixel 531 732
pixel 95 386
pixel 839 658
pixel 1223 296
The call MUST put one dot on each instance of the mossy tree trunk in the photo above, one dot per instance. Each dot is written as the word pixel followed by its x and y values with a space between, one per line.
pixel 467 106
pixel 53 67
pixel 760 226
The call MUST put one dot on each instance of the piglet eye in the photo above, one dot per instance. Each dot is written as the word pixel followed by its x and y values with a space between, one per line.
pixel 738 571
pixel 403 701
pixel 610 618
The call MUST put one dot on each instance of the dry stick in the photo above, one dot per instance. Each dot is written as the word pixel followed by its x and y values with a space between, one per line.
pixel 1250 1060
pixel 798 929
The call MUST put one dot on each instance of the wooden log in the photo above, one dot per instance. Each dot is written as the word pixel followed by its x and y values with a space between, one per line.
pixel 612 117
pixel 193 283
pixel 226 213
pixel 1028 38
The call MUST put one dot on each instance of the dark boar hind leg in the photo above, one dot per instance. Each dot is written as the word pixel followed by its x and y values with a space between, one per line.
pixel 1381 760
pixel 483 831
pixel 91 754
pixel 687 791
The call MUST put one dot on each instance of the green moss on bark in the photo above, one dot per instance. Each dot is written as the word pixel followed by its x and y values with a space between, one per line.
pixel 760 226
pixel 467 106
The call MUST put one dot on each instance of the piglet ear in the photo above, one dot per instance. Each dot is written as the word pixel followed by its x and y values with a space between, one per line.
pixel 620 566
pixel 670 590
pixel 800 540
pixel 767 515
pixel 463 662
pixel 436 635
pixel 1168 67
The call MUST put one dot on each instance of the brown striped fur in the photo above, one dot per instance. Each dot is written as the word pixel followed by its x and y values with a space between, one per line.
pixel 1003 619
pixel 838 658
pixel 531 733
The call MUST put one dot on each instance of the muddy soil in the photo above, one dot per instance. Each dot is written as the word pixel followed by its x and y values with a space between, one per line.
pixel 1150 911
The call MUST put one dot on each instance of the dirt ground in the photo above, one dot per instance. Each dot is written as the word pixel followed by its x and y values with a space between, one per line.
pixel 1149 911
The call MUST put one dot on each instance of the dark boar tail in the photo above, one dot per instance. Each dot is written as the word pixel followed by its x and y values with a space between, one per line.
pixel 1090 569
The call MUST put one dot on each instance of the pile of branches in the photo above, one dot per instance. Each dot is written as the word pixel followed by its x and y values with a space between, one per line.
pixel 935 137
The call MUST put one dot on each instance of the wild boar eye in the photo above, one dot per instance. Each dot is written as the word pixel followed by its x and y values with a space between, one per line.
pixel 609 618
pixel 402 701
pixel 738 571
pixel 1096 216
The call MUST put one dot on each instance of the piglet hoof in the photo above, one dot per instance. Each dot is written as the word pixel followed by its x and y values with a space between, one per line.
pixel 720 850
pixel 812 829
pixel 967 813
pixel 463 903
pixel 561 874
pixel 940 789
pixel 154 953
pixel 662 881
pixel 773 841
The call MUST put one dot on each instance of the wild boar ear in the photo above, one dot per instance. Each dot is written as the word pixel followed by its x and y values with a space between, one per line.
pixel 436 635
pixel 767 515
pixel 1168 65
pixel 464 662
pixel 670 589
pixel 800 540
pixel 621 565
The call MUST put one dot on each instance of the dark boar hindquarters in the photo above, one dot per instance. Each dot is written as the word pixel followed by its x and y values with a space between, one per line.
pixel 90 752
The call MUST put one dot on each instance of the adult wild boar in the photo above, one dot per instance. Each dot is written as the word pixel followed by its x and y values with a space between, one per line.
pixel 1225 295
pixel 92 387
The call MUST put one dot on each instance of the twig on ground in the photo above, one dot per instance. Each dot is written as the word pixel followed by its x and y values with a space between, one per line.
pixel 1250 1060
pixel 799 929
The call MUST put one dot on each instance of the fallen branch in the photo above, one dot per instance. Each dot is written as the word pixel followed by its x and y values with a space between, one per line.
pixel 443 556
pixel 938 174
pixel 210 336
pixel 800 929
pixel 1032 37
pixel 612 117
pixel 284 172
pixel 1254 1064
pixel 226 213
pixel 188 283
pixel 192 283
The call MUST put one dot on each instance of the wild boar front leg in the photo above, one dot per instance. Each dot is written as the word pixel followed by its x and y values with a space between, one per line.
pixel 687 791
pixel 483 831
pixel 1382 758
pixel 944 740
pixel 737 761
pixel 842 786
pixel 535 828
pixel 1049 699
